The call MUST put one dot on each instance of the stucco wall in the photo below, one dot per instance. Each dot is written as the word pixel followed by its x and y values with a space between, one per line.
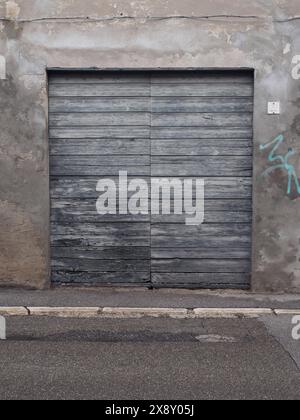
pixel 40 34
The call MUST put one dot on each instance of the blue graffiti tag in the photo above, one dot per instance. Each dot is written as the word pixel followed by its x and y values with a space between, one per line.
pixel 283 162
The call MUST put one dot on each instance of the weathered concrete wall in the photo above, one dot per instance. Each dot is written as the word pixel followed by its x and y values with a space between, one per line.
pixel 40 34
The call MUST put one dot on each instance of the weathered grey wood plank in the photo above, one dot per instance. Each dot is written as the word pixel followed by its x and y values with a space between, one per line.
pixel 202 253
pixel 91 160
pixel 107 240
pixel 114 229
pixel 215 188
pixel 63 216
pixel 210 217
pixel 100 147
pixel 201 166
pixel 143 104
pixel 201 133
pixel 99 171
pixel 100 77
pixel 209 235
pixel 99 166
pixel 200 266
pixel 201 104
pixel 208 77
pixel 189 76
pixel 205 89
pixel 103 235
pixel 105 132
pixel 76 207
pixel 76 187
pixel 84 119
pixel 101 278
pixel 109 253
pixel 202 120
pixel 100 266
pixel 66 217
pixel 202 147
pixel 100 90
pixel 202 280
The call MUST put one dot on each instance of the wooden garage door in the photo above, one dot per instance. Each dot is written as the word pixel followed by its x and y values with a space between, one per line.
pixel 159 125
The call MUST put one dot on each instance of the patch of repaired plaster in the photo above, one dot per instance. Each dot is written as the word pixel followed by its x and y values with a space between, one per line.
pixel 287 49
pixel 296 68
pixel 12 9
pixel 21 258
pixel 2 67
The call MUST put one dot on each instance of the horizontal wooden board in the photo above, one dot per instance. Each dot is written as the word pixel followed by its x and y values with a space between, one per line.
pixel 98 241
pixel 76 187
pixel 201 147
pixel 111 132
pixel 100 166
pixel 108 253
pixel 81 119
pixel 202 280
pixel 215 188
pixel 99 171
pixel 221 89
pixel 201 133
pixel 154 76
pixel 201 104
pixel 100 90
pixel 100 147
pixel 87 207
pixel 63 216
pixel 158 104
pixel 202 76
pixel 103 235
pixel 113 229
pixel 66 216
pixel 201 166
pixel 206 235
pixel 143 104
pixel 85 119
pixel 210 217
pixel 201 120
pixel 126 132
pixel 227 253
pixel 100 266
pixel 100 278
pixel 91 160
pixel 96 77
pixel 200 266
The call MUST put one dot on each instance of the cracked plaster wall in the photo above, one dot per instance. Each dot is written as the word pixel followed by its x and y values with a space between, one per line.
pixel 40 34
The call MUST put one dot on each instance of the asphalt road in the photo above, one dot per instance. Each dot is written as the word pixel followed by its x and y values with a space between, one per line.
pixel 52 358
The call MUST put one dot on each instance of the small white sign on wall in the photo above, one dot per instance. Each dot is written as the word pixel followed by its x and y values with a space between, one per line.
pixel 274 108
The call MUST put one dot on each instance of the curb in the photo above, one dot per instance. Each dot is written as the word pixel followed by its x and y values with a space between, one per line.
pixel 287 312
pixel 13 311
pixel 145 312
pixel 117 312
pixel 67 312
pixel 232 312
